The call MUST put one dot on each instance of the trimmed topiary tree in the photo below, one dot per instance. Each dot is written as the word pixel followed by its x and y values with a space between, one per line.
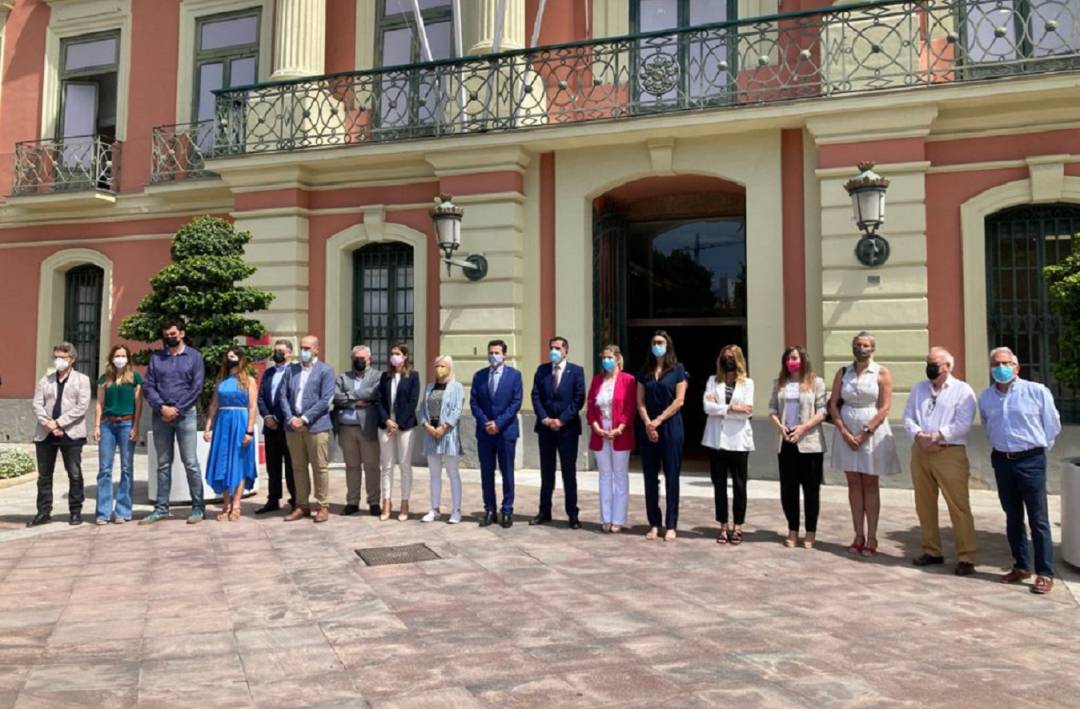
pixel 1063 289
pixel 200 287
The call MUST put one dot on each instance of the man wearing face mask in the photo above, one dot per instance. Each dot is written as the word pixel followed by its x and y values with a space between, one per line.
pixel 495 399
pixel 1022 423
pixel 558 393
pixel 355 396
pixel 172 386
pixel 61 401
pixel 309 390
pixel 273 414
pixel 938 416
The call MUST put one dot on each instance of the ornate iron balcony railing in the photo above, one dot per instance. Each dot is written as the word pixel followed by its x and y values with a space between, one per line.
pixel 841 50
pixel 179 151
pixel 73 164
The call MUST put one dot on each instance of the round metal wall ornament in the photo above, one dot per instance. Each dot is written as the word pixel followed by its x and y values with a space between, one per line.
pixel 872 250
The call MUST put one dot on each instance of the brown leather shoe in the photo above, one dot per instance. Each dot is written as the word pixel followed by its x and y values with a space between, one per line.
pixel 322 515
pixel 1015 576
pixel 964 568
pixel 1043 584
pixel 297 513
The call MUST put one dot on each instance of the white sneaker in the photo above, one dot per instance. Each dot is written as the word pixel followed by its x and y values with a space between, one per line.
pixel 455 518
pixel 432 516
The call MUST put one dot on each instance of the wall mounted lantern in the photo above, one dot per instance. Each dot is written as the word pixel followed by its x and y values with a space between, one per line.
pixel 447 218
pixel 867 190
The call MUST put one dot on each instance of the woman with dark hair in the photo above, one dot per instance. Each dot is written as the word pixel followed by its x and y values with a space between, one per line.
pixel 797 408
pixel 729 403
pixel 118 409
pixel 230 430
pixel 660 394
pixel 399 394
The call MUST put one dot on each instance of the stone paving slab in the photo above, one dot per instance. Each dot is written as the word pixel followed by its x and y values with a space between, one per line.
pixel 265 614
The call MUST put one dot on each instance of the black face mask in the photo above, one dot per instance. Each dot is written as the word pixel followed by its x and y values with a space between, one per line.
pixel 359 364
pixel 172 341
pixel 933 371
pixel 279 356
pixel 728 364
pixel 230 364
pixel 861 354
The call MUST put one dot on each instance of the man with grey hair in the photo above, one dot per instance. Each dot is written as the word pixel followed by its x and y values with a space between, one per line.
pixel 938 417
pixel 270 408
pixel 1022 423
pixel 355 394
pixel 61 401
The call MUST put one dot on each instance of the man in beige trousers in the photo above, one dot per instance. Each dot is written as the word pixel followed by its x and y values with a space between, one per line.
pixel 309 390
pixel 938 417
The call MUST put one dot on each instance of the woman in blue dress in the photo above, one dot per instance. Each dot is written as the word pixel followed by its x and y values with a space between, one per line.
pixel 230 430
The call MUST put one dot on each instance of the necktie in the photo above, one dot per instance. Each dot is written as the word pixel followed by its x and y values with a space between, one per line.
pixel 554 379
pixel 491 383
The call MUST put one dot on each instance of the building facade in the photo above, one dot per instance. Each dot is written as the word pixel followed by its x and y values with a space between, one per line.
pixel 624 165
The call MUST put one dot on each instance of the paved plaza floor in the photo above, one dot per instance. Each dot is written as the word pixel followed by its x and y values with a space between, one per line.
pixel 262 613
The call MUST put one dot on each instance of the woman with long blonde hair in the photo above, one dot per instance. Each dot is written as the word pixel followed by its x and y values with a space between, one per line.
pixel 729 403
pixel 440 411
pixel 117 412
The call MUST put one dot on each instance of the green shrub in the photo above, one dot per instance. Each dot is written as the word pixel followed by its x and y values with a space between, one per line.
pixel 14 463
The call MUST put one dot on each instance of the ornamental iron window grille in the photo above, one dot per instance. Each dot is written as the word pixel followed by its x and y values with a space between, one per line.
pixel 82 317
pixel 383 307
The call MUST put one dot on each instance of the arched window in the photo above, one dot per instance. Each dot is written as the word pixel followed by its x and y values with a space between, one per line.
pixel 1020 242
pixel 383 298
pixel 82 316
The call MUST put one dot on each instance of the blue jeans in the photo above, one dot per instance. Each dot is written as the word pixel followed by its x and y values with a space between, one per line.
pixel 1022 484
pixel 115 434
pixel 184 431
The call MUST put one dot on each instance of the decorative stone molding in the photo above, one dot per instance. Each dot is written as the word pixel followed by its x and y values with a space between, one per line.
pixel 1047 177
pixel 661 154
pixel 51 301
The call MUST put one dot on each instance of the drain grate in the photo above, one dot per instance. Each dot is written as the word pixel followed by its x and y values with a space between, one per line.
pixel 406 554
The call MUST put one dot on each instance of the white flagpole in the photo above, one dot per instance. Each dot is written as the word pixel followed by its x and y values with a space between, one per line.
pixel 537 23
pixel 421 30
pixel 500 22
pixel 459 52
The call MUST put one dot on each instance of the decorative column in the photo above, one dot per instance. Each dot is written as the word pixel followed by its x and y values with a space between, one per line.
pixel 299 39
pixel 484 18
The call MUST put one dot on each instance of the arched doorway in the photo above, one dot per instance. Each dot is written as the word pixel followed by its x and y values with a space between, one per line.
pixel 1020 243
pixel 670 253
pixel 383 298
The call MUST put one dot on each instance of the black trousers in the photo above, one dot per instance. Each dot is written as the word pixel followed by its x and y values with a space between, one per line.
pixel 565 447
pixel 277 452
pixel 46 464
pixel 800 469
pixel 723 463
pixel 667 452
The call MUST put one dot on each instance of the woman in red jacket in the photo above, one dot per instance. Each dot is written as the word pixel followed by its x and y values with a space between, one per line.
pixel 610 411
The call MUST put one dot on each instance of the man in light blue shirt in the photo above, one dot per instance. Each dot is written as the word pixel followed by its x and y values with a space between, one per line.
pixel 1021 423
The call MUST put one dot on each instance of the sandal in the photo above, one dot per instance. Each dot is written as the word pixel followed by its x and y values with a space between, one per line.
pixel 808 542
pixel 869 549
pixel 653 533
pixel 736 537
pixel 791 539
pixel 615 529
pixel 722 538
pixel 670 535
pixel 856 546
pixel 234 514
pixel 223 516
pixel 1043 585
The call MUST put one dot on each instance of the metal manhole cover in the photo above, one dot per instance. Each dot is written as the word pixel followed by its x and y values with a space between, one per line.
pixel 406 554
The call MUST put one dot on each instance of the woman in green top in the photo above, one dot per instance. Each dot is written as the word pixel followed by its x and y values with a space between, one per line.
pixel 118 408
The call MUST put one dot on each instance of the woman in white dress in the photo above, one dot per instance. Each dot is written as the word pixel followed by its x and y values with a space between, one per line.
pixel 863 445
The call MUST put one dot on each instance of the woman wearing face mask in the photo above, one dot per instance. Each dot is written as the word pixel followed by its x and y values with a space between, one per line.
pixel 729 403
pixel 661 392
pixel 399 392
pixel 439 414
pixel 230 430
pixel 117 413
pixel 610 412
pixel 797 408
pixel 863 445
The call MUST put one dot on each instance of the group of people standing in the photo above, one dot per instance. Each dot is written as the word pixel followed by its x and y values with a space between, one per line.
pixel 378 415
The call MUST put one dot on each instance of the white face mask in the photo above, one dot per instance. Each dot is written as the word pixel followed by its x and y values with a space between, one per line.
pixel 119 362
pixel 61 364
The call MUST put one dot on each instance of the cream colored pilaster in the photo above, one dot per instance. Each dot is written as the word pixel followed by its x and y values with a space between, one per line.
pixel 474 312
pixel 279 250
pixel 299 39
pixel 480 18
pixel 890 302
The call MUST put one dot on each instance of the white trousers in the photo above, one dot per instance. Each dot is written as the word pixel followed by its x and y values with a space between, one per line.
pixel 396 449
pixel 614 468
pixel 435 465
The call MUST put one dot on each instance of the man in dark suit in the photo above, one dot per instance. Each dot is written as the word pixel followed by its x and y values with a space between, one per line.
pixel 495 399
pixel 558 393
pixel 277 452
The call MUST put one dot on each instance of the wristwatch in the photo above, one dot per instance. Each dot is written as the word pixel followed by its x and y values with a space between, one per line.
pixel 867 430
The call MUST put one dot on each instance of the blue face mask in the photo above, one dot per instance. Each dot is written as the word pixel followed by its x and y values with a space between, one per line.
pixel 659 350
pixel 1002 373
pixel 306 355
pixel 608 364
pixel 556 356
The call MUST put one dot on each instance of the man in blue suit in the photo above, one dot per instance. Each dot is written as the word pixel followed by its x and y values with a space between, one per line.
pixel 271 395
pixel 495 400
pixel 558 393
pixel 309 390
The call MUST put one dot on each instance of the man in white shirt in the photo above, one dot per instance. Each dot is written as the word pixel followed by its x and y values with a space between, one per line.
pixel 938 416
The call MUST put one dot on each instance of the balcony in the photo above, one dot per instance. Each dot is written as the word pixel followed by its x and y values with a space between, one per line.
pixel 179 152
pixel 839 51
pixel 76 164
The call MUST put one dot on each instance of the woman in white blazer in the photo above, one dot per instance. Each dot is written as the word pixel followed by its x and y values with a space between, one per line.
pixel 729 403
